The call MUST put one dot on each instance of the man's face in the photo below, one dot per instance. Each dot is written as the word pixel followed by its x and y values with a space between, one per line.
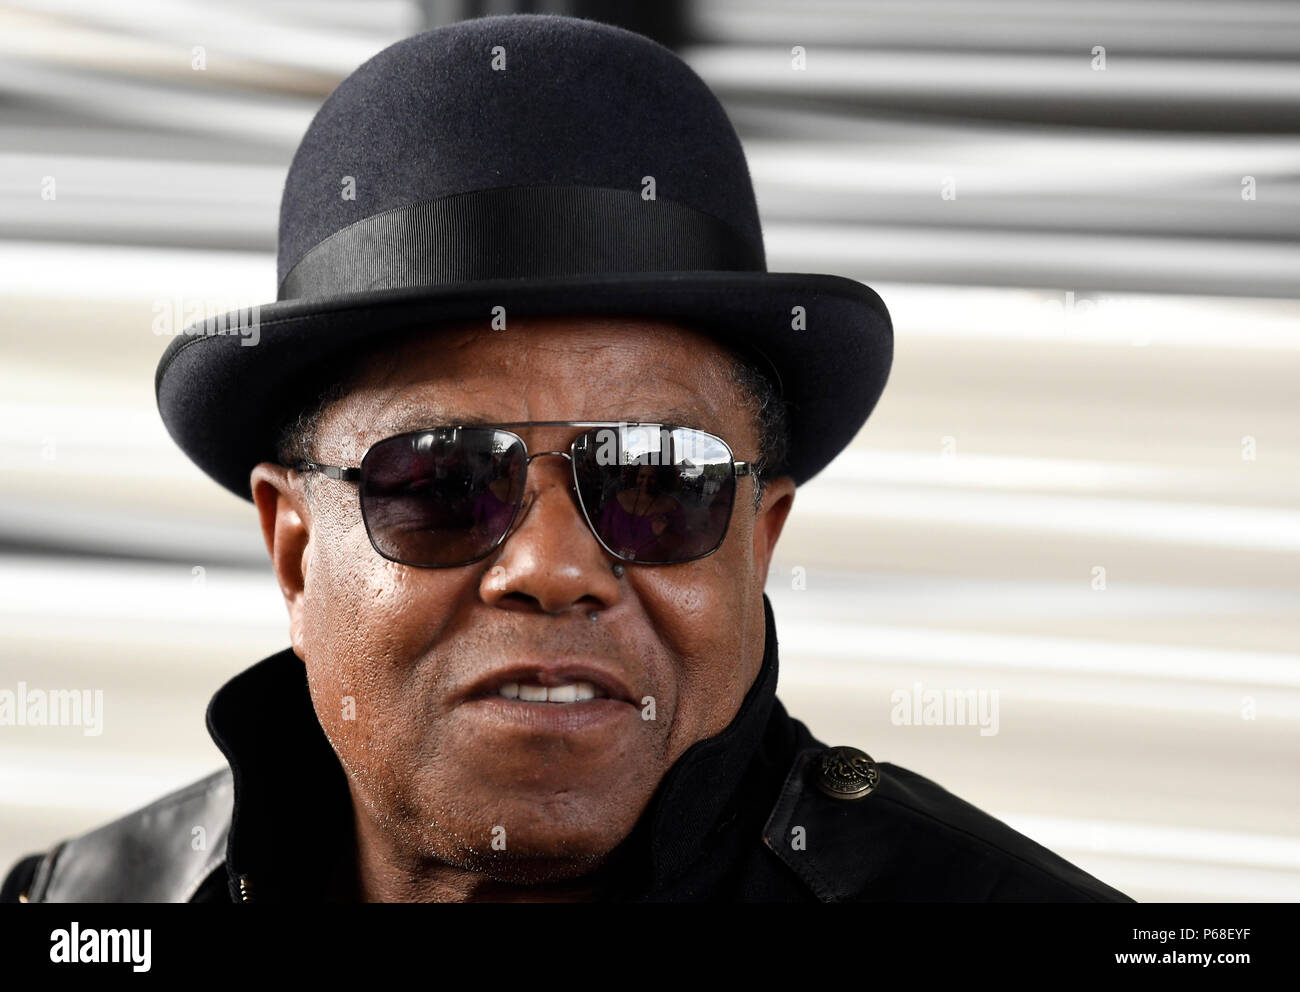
pixel 520 791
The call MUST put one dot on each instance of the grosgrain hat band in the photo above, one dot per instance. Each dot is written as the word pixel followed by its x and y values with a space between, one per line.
pixel 518 231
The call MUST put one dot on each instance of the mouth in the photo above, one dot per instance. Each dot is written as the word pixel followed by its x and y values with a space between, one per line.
pixel 533 692
pixel 566 685
pixel 574 701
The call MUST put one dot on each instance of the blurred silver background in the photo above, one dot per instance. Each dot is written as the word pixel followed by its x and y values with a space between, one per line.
pixel 1098 358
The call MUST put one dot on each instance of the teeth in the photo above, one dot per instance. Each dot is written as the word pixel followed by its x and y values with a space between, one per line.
pixel 571 692
pixel 562 693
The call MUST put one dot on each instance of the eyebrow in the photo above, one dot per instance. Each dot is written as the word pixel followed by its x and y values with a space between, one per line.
pixel 419 419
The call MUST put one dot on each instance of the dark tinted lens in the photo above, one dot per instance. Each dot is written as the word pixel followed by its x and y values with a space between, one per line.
pixel 441 497
pixel 656 494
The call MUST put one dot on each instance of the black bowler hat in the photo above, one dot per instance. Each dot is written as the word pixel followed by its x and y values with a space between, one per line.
pixel 548 165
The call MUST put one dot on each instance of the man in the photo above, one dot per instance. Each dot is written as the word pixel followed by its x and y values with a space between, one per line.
pixel 522 433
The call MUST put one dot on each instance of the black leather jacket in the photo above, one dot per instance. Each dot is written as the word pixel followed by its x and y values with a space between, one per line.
pixel 740 817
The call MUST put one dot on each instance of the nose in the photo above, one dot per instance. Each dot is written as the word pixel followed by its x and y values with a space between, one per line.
pixel 550 562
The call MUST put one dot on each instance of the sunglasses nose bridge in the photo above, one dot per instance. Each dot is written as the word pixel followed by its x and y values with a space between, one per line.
pixel 538 454
pixel 573 490
pixel 528 461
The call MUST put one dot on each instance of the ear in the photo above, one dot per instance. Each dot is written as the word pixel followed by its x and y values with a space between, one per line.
pixel 286 529
pixel 778 498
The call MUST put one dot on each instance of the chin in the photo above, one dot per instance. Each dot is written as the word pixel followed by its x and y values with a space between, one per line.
pixel 523 869
pixel 521 840
pixel 537 858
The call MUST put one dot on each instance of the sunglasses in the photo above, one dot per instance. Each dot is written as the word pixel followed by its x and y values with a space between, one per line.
pixel 655 494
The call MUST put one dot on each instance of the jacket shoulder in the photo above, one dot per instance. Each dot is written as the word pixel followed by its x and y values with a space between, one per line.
pixel 162 852
pixel 909 839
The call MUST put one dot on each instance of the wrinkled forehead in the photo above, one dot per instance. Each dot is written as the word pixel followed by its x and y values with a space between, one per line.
pixel 574 368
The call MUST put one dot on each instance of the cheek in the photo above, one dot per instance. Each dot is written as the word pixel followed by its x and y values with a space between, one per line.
pixel 700 611
pixel 363 611
pixel 368 622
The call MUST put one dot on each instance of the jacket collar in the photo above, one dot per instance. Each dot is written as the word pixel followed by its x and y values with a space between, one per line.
pixel 293 811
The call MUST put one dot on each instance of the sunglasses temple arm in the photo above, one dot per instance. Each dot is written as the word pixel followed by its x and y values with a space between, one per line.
pixel 331 471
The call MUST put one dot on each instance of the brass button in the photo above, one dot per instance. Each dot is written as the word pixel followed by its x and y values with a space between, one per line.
pixel 846 773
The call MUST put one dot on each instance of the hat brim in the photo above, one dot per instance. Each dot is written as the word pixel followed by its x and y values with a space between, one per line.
pixel 224 399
